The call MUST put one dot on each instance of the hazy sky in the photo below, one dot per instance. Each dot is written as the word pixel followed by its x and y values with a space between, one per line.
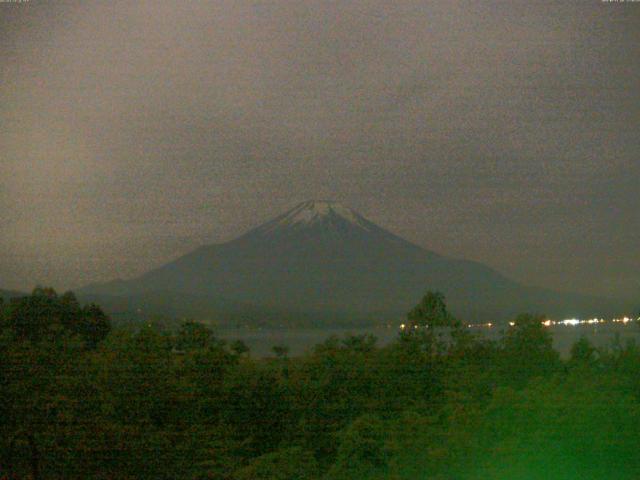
pixel 503 132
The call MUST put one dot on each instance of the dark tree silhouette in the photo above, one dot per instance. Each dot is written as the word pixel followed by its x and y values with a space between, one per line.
pixel 239 347
pixel 95 325
pixel 193 336
pixel 431 312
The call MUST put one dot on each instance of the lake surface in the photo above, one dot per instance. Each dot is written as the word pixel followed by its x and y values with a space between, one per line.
pixel 300 341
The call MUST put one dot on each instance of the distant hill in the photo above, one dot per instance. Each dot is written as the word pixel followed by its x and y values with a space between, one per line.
pixel 9 294
pixel 212 309
pixel 323 262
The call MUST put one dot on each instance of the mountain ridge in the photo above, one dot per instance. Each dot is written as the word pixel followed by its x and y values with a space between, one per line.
pixel 323 257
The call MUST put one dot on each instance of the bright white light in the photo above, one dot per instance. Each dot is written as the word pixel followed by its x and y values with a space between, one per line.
pixel 571 321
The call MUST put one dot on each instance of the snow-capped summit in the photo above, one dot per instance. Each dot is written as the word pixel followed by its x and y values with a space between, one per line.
pixel 315 210
pixel 323 262
pixel 314 213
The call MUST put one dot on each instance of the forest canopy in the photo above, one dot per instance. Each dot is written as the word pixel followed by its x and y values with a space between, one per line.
pixel 82 400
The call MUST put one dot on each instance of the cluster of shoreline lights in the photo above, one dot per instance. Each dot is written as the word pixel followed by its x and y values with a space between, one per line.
pixel 571 322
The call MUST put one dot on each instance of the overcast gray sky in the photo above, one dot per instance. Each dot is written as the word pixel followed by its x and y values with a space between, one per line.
pixel 503 132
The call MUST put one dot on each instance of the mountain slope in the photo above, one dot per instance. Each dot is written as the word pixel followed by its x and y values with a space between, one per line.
pixel 324 259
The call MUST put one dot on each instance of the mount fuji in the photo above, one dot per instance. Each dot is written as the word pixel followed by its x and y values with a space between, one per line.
pixel 322 262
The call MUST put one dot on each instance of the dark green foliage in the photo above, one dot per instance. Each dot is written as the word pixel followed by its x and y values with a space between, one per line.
pixel 431 312
pixel 37 316
pixel 239 347
pixel 256 408
pixel 286 464
pixel 193 336
pixel 44 315
pixel 152 403
pixel 363 450
pixel 559 428
pixel 527 350
pixel 94 325
pixel 280 351
pixel 583 354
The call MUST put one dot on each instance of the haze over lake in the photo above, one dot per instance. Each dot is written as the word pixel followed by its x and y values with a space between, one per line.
pixel 301 341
